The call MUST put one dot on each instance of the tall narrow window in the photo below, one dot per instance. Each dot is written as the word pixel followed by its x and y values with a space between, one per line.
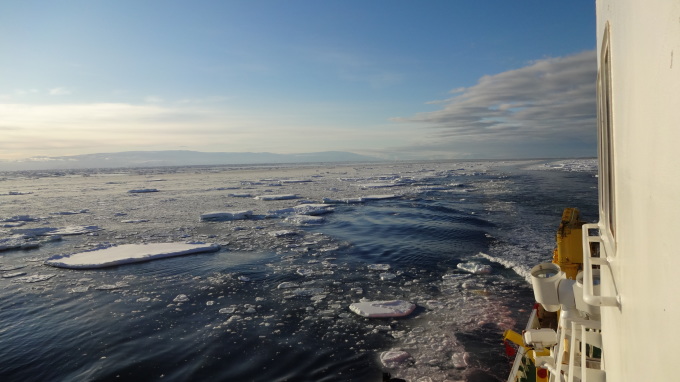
pixel 605 136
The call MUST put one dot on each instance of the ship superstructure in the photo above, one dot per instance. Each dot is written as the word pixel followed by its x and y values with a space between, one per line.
pixel 609 305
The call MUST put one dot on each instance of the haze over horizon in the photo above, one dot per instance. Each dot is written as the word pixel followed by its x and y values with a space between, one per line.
pixel 392 79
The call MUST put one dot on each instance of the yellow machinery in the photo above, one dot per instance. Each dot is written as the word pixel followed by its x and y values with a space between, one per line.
pixel 568 255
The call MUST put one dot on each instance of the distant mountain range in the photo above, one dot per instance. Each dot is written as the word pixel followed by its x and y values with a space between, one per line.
pixel 175 158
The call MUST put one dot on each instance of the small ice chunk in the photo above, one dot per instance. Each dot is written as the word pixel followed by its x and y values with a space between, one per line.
pixel 287 284
pixel 393 358
pixel 228 310
pixel 241 195
pixel 392 308
pixel 73 230
pixel 305 219
pixel 126 253
pixel 13 274
pixel 34 278
pixel 244 278
pixel 312 209
pixel 378 267
pixel 380 197
pixel 342 201
pixel 387 276
pixel 142 190
pixel 226 216
pixel 282 233
pixel 475 268
pixel 181 298
pixel 20 218
pixel 134 221
pixel 277 197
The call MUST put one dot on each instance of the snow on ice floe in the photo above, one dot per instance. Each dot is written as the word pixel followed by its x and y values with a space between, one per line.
pixel 226 216
pixel 127 253
pixel 392 308
pixel 277 197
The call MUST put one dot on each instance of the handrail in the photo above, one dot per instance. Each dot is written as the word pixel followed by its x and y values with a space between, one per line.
pixel 588 261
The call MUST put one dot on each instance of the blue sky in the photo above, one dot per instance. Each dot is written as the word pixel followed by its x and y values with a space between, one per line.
pixel 395 79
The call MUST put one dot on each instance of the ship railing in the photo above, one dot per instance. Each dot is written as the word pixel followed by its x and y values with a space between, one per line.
pixel 590 295
pixel 577 356
pixel 521 352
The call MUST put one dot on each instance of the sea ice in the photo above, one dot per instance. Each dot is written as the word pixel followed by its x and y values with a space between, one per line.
pixel 34 278
pixel 392 308
pixel 475 268
pixel 342 201
pixel 226 216
pixel 378 267
pixel 379 197
pixel 393 358
pixel 276 197
pixel 126 253
pixel 241 195
pixel 305 219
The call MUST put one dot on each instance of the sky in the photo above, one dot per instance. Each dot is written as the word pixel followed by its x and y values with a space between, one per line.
pixel 395 79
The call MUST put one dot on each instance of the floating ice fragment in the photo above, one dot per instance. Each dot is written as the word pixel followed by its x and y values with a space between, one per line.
pixel 241 195
pixel 378 267
pixel 244 278
pixel 277 197
pixel 393 358
pixel 475 268
pixel 282 233
pixel 387 276
pixel 305 219
pixel 181 298
pixel 34 278
pixel 127 253
pixel 341 201
pixel 287 284
pixel 70 212
pixel 20 218
pixel 13 274
pixel 392 308
pixel 144 299
pixel 379 197
pixel 312 209
pixel 226 216
pixel 228 310
pixel 135 221
pixel 68 230
pixel 143 190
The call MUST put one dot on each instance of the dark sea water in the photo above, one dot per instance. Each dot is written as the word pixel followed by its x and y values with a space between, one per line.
pixel 272 304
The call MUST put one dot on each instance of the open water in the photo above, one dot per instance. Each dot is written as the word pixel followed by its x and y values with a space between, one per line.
pixel 272 304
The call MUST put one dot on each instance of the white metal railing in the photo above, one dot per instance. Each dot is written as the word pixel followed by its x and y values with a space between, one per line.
pixel 588 261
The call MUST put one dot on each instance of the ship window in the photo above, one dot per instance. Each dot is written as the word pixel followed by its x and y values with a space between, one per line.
pixel 605 136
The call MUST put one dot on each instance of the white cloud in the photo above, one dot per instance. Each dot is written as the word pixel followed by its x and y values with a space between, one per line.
pixel 59 91
pixel 548 102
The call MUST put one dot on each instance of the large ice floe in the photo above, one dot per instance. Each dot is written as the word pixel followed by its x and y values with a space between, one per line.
pixel 392 308
pixel 127 253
